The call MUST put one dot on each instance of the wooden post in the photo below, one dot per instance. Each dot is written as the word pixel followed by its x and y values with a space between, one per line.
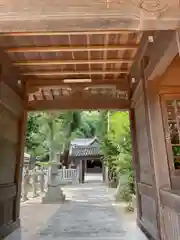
pixel 135 161
pixel 20 156
pixel 178 39
pixel 158 157
pixel 149 132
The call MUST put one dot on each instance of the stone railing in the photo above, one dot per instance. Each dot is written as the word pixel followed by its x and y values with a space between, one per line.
pixel 34 182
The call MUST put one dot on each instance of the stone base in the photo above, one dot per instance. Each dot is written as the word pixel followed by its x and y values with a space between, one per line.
pixel 54 194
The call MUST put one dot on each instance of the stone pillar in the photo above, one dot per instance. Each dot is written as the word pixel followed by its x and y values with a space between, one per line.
pixel 42 180
pixel 34 182
pixel 54 192
pixel 25 185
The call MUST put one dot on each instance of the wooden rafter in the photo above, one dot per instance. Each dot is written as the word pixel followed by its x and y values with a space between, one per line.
pixel 105 53
pixel 76 48
pixel 56 33
pixel 89 54
pixel 69 62
pixel 33 83
pixel 72 73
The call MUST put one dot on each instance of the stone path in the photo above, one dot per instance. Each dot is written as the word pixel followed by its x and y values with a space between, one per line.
pixel 88 214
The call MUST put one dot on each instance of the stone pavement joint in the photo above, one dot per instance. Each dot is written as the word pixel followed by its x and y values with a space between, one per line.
pixel 87 215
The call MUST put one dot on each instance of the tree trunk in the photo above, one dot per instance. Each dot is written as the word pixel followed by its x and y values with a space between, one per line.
pixel 51 155
pixel 66 158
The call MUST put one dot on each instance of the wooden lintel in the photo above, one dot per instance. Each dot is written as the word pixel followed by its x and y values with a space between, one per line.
pixel 80 103
pixel 72 48
pixel 71 73
pixel 57 33
pixel 69 62
pixel 169 89
pixel 38 83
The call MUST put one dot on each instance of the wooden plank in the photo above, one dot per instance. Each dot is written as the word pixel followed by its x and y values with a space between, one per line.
pixel 136 164
pixel 20 154
pixel 135 70
pixel 78 103
pixel 10 99
pixel 169 90
pixel 57 33
pixel 161 53
pixel 70 62
pixel 154 172
pixel 9 73
pixel 171 223
pixel 56 83
pixel 170 199
pixel 146 189
pixel 40 49
pixel 8 125
pixel 7 191
pixel 71 73
pixel 83 18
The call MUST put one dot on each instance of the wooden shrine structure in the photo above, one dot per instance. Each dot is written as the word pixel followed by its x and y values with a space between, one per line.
pixel 82 152
pixel 89 54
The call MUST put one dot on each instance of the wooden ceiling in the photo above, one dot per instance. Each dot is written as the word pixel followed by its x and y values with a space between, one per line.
pixel 90 60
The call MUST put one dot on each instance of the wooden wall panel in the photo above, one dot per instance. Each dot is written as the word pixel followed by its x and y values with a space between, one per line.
pixel 11 151
pixel 171 223
pixel 10 99
pixel 146 186
pixel 8 157
pixel 149 210
pixel 142 143
pixel 8 124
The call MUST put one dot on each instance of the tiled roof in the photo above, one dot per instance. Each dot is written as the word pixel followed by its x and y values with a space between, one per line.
pixel 80 151
pixel 84 141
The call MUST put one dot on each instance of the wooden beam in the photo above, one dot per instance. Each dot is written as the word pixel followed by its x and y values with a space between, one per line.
pixel 33 83
pixel 135 70
pixel 81 103
pixel 69 62
pixel 161 53
pixel 71 73
pixel 56 33
pixel 76 48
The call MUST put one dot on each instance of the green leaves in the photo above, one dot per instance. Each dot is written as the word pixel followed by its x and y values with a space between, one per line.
pixel 116 146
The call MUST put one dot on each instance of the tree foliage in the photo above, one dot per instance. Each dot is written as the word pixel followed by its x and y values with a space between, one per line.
pixel 65 125
pixel 117 150
pixel 53 131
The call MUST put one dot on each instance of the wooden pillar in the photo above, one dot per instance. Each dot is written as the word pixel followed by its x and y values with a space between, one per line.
pixel 157 148
pixel 20 154
pixel 150 145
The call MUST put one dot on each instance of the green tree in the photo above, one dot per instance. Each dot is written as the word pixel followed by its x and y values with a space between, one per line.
pixel 117 150
pixel 71 121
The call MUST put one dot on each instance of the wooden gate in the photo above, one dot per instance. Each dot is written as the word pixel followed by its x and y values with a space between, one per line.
pixel 147 206
pixel 12 125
